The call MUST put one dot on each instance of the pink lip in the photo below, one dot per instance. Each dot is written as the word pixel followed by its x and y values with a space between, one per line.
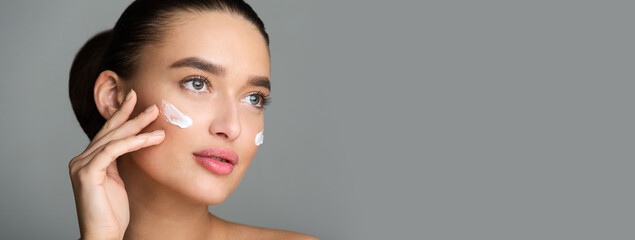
pixel 204 157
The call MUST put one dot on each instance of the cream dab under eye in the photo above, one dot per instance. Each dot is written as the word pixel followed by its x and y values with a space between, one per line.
pixel 259 138
pixel 174 116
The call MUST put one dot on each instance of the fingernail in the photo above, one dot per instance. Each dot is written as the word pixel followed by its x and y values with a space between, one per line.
pixel 143 136
pixel 158 133
pixel 129 95
pixel 152 134
pixel 150 109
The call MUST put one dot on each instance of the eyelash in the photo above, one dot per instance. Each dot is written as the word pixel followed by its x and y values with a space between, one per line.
pixel 264 99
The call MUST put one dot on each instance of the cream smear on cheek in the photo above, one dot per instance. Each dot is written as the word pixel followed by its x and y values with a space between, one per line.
pixel 174 116
pixel 259 138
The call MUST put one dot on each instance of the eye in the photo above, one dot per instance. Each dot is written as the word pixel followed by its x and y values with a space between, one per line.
pixel 255 99
pixel 197 84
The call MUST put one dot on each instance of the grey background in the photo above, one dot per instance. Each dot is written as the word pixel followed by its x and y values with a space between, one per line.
pixel 390 119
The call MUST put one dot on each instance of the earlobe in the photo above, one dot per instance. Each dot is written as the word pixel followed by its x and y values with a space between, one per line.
pixel 108 93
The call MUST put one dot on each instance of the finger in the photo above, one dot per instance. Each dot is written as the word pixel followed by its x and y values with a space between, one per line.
pixel 78 163
pixel 111 151
pixel 131 139
pixel 127 129
pixel 120 116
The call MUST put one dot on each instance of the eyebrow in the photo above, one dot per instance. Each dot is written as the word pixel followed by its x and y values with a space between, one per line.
pixel 198 63
pixel 260 82
pixel 201 64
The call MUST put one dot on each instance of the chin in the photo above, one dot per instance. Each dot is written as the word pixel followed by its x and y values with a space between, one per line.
pixel 208 190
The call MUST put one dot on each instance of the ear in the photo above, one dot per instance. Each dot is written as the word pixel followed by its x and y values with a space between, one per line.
pixel 109 93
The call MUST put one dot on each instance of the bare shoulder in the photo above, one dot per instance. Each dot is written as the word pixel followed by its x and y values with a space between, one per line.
pixel 268 233
pixel 242 231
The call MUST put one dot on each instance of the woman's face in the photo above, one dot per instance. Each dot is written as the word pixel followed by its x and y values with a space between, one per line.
pixel 213 67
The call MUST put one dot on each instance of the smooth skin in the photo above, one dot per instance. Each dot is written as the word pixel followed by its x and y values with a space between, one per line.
pixel 138 179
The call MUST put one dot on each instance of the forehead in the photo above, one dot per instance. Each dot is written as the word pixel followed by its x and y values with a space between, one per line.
pixel 225 39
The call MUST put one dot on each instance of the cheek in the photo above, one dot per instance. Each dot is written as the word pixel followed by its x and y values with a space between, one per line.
pixel 170 162
pixel 174 116
pixel 165 150
pixel 252 136
pixel 155 159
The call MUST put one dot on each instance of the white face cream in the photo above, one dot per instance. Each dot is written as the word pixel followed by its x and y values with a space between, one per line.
pixel 174 116
pixel 259 138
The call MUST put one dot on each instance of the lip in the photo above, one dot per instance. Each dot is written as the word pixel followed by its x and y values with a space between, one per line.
pixel 204 157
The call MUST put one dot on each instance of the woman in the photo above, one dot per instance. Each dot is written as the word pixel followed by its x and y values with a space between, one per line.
pixel 172 99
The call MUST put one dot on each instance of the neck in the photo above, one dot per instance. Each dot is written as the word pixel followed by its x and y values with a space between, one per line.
pixel 157 212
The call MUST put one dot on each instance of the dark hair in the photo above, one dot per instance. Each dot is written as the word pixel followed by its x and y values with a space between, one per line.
pixel 143 22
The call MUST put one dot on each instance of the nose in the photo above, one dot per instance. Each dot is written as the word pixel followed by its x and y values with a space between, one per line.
pixel 225 123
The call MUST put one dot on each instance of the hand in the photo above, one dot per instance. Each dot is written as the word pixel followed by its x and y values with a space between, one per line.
pixel 100 195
